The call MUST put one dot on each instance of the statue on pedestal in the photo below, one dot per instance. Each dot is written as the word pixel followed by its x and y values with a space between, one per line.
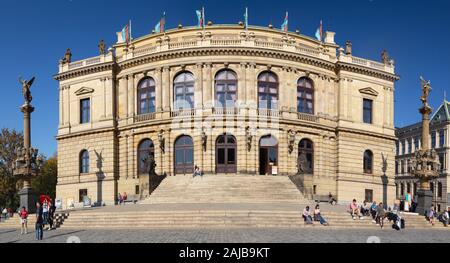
pixel 102 47
pixel 26 85
pixel 426 88
pixel 67 57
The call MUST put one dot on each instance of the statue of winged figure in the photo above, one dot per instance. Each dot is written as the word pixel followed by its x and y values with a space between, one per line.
pixel 426 88
pixel 26 85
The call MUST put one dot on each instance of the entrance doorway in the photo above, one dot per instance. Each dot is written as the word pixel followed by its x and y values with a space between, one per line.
pixel 184 155
pixel 226 154
pixel 268 155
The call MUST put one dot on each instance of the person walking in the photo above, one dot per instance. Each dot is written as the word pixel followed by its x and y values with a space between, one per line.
pixel 431 215
pixel 381 213
pixel 39 222
pixel 51 216
pixel 45 208
pixel 23 220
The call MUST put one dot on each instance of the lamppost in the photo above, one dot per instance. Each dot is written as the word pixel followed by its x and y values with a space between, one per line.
pixel 425 165
pixel 28 162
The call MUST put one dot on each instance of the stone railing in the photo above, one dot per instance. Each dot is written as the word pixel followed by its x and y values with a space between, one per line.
pixel 366 63
pixel 85 63
pixel 226 111
pixel 145 117
pixel 307 117
pixel 269 113
pixel 183 113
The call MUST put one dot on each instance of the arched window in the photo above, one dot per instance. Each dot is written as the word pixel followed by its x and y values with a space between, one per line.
pixel 84 162
pixel 306 156
pixel 368 162
pixel 184 91
pixel 305 96
pixel 267 90
pixel 146 96
pixel 145 149
pixel 226 88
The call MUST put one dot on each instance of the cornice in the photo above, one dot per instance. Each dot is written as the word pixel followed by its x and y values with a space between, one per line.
pixel 84 71
pixel 231 51
pixel 366 71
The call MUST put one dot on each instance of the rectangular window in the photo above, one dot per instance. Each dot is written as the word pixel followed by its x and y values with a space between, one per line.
pixel 85 111
pixel 397 148
pixel 82 194
pixel 368 195
pixel 367 111
pixel 402 168
pixel 136 190
pixel 442 161
pixel 416 143
pixel 433 139
pixel 403 148
pixel 410 145
pixel 441 138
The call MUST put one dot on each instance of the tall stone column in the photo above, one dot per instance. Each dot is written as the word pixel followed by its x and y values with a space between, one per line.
pixel 166 89
pixel 159 88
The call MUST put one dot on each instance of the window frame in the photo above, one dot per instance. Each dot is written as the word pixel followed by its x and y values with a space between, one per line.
pixel 365 109
pixel 85 110
pixel 227 82
pixel 267 85
pixel 368 170
pixel 84 162
pixel 302 88
pixel 148 90
pixel 185 85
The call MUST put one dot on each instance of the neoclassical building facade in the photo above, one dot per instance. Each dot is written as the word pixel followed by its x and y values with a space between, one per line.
pixel 230 101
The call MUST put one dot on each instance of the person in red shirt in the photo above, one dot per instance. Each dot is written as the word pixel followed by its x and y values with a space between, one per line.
pixel 23 219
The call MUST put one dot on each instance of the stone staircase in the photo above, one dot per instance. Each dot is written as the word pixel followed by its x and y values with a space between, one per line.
pixel 226 189
pixel 15 222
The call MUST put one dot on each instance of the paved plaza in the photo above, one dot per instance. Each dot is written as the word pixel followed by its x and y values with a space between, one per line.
pixel 315 234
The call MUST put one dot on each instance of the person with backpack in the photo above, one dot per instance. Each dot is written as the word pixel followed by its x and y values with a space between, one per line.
pixel 23 220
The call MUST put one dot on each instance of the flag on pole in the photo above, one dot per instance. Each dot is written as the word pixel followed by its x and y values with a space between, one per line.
pixel 285 25
pixel 126 34
pixel 246 18
pixel 160 27
pixel 319 32
pixel 201 17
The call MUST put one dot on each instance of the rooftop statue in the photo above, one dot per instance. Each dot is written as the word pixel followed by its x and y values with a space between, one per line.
pixel 102 47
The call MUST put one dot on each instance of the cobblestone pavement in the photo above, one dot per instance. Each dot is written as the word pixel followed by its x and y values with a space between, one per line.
pixel 229 236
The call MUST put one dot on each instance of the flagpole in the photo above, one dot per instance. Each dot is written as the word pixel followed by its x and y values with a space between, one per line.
pixel 204 19
pixel 131 38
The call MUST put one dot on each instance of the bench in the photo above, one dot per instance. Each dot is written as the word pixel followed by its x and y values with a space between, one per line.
pixel 131 199
pixel 321 198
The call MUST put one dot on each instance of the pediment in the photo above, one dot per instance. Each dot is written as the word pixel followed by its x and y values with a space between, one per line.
pixel 83 91
pixel 369 91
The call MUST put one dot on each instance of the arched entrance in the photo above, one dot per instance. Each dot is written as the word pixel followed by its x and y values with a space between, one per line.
pixel 184 155
pixel 268 155
pixel 226 154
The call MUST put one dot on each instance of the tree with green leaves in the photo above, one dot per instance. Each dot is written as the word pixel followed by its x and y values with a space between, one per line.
pixel 45 183
pixel 10 140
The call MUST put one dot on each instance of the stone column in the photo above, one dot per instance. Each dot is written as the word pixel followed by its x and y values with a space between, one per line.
pixel 166 89
pixel 198 95
pixel 208 85
pixel 159 88
pixel 61 106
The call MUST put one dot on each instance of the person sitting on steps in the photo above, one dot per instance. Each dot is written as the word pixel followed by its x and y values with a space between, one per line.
pixel 354 210
pixel 331 199
pixel 197 171
pixel 318 216
pixel 307 216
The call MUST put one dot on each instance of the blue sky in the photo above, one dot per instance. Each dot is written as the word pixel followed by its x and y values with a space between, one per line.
pixel 35 34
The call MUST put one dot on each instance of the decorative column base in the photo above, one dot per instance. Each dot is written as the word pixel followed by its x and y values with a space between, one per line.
pixel 28 200
pixel 424 201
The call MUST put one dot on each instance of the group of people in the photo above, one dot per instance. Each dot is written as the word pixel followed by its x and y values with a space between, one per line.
pixel 45 215
pixel 317 216
pixel 432 215
pixel 374 210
